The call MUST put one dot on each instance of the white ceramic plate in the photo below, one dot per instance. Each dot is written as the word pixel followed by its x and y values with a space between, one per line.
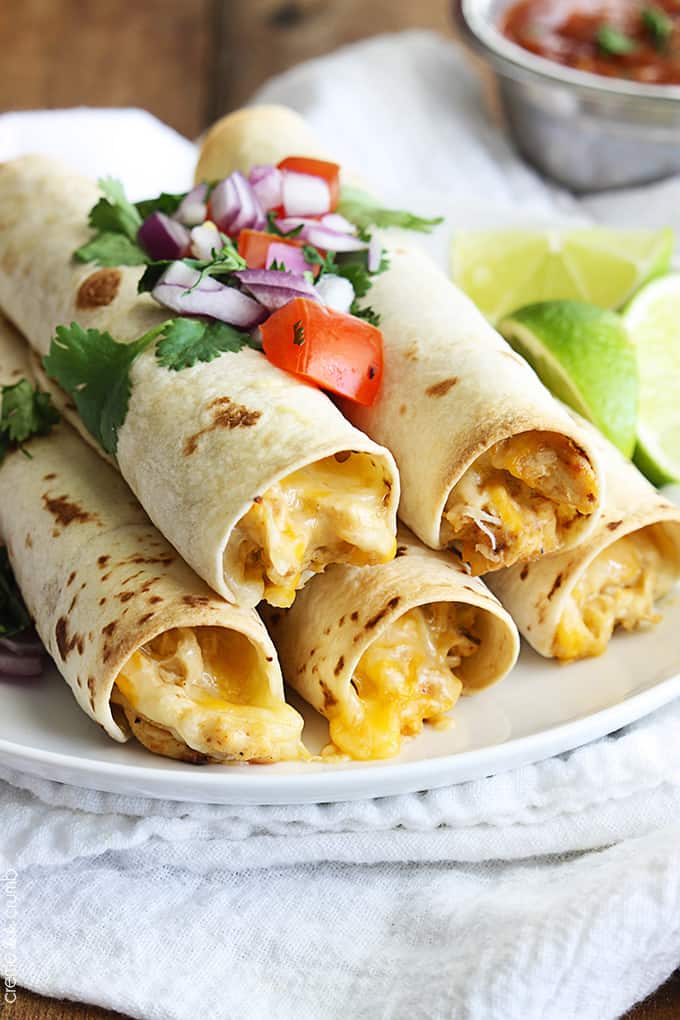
pixel 540 710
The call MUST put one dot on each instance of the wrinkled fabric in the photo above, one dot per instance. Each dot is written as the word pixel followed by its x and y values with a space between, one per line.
pixel 548 893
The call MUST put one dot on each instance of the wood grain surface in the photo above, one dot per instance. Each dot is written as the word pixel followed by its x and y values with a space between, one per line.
pixel 188 62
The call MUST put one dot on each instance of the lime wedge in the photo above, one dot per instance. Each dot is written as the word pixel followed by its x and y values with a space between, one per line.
pixel 583 355
pixel 653 322
pixel 506 269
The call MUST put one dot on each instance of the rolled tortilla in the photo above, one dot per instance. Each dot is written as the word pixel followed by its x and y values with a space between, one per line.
pixel 233 460
pixel 507 475
pixel 568 605
pixel 135 633
pixel 382 649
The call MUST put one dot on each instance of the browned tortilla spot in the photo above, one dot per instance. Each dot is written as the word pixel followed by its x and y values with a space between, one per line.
pixel 125 596
pixel 556 584
pixel 66 644
pixel 103 560
pixel 28 541
pixel 196 600
pixel 65 511
pixel 226 415
pixel 99 289
pixel 341 621
pixel 329 698
pixel 102 600
pixel 354 616
pixel 155 599
pixel 411 352
pixel 144 619
pixel 440 389
pixel 339 665
pixel 269 658
pixel 613 525
pixel 402 409
pixel 49 478
pixel 524 572
pixel 401 551
pixel 109 628
pixel 71 578
pixel 392 604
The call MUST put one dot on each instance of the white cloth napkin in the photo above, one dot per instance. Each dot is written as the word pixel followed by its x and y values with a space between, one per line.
pixel 549 893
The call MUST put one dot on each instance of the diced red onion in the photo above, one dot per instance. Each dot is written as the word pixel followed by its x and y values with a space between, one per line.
pixel 20 665
pixel 26 643
pixel 205 239
pixel 334 221
pixel 288 255
pixel 266 182
pixel 304 195
pixel 274 288
pixel 209 297
pixel 193 208
pixel 336 292
pixel 375 251
pixel 234 205
pixel 316 233
pixel 162 237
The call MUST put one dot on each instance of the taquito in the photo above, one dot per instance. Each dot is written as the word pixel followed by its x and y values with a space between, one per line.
pixel 379 650
pixel 490 464
pixel 145 646
pixel 568 606
pixel 255 477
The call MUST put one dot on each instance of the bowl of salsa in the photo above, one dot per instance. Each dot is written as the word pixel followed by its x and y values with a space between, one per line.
pixel 590 89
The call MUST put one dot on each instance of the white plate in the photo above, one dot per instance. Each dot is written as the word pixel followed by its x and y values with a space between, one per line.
pixel 541 709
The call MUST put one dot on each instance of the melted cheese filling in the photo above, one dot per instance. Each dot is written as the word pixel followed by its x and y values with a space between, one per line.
pixel 207 687
pixel 406 677
pixel 518 500
pixel 618 589
pixel 333 511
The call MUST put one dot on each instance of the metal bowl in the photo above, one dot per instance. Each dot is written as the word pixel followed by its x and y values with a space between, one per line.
pixel 586 131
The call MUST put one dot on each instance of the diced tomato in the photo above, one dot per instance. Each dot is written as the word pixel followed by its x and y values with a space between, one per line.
pixel 338 352
pixel 330 172
pixel 253 246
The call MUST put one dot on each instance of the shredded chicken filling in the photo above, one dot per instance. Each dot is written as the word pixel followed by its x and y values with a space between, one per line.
pixel 618 589
pixel 406 677
pixel 518 501
pixel 333 511
pixel 207 687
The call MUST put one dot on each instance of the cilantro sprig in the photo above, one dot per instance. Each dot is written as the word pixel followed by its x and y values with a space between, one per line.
pixel 225 261
pixel 24 412
pixel 361 209
pixel 94 368
pixel 13 613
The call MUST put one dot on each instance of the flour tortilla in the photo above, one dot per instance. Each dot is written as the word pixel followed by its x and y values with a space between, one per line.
pixel 98 579
pixel 340 613
pixel 536 594
pixel 452 387
pixel 194 498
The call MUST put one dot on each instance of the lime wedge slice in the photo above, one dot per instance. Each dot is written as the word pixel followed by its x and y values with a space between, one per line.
pixel 506 269
pixel 583 355
pixel 653 322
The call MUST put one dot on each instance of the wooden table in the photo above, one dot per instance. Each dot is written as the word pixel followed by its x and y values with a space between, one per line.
pixel 188 61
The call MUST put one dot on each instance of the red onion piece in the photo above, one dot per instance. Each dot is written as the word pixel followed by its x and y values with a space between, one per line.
pixel 334 221
pixel 274 288
pixel 209 297
pixel 375 251
pixel 304 195
pixel 266 182
pixel 162 237
pixel 193 208
pixel 335 292
pixel 292 258
pixel 205 239
pixel 234 205
pixel 26 643
pixel 20 665
pixel 316 233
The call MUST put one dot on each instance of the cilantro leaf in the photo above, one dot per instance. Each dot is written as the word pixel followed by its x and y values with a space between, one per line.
pixel 24 412
pixel 187 341
pixel 367 313
pixel 13 613
pixel 274 228
pixel 362 210
pixel 114 212
pixel 614 42
pixel 315 258
pixel 353 265
pixel 109 249
pixel 165 202
pixel 225 261
pixel 94 369
pixel 658 24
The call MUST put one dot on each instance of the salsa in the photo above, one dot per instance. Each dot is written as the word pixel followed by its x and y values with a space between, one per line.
pixel 617 38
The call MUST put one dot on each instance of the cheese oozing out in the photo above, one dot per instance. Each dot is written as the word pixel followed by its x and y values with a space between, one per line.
pixel 206 689
pixel 410 674
pixel 519 500
pixel 618 589
pixel 336 510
